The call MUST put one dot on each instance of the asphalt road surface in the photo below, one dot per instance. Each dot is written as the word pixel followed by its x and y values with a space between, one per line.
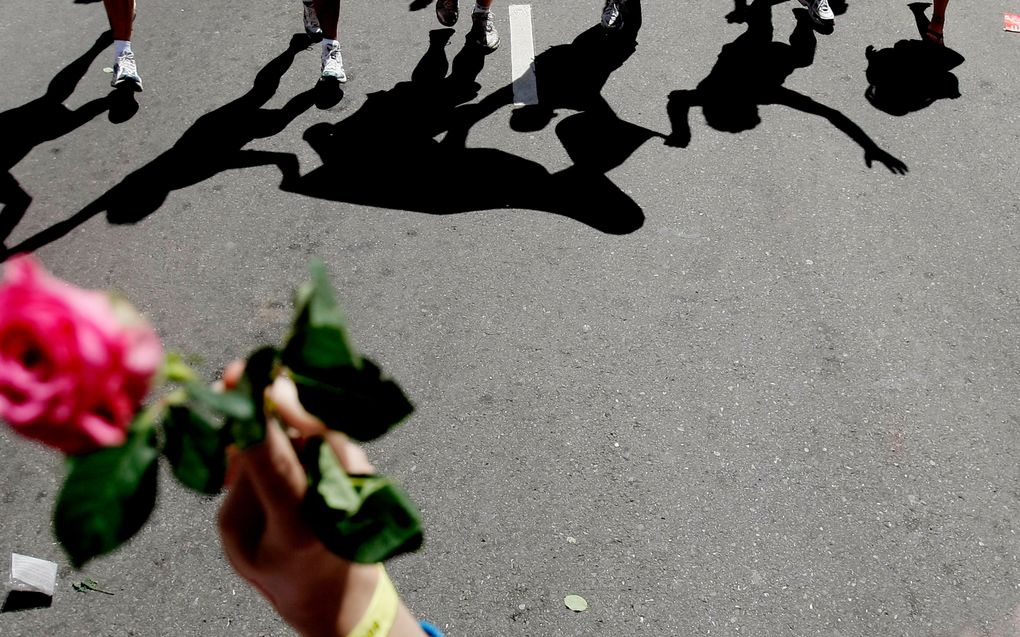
pixel 674 346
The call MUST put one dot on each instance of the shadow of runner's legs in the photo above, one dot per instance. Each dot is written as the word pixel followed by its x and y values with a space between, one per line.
pixel 44 119
pixel 65 81
pixel 212 144
pixel 15 202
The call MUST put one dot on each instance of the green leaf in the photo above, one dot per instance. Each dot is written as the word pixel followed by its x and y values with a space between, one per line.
pixel 328 479
pixel 318 337
pixel 245 431
pixel 235 403
pixel 196 449
pixel 575 603
pixel 343 390
pixel 364 519
pixel 107 497
pixel 89 584
pixel 176 370
pixel 358 402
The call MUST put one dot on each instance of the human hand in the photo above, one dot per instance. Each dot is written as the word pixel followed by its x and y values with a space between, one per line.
pixel 269 544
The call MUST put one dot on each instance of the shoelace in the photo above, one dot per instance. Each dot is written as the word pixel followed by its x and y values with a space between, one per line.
pixel 488 23
pixel 126 65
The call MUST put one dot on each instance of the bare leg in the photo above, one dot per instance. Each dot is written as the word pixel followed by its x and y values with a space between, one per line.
pixel 329 17
pixel 121 14
pixel 938 19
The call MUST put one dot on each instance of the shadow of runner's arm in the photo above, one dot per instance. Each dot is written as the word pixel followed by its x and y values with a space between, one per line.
pixel 86 113
pixel 464 118
pixel 272 122
pixel 290 170
pixel 872 152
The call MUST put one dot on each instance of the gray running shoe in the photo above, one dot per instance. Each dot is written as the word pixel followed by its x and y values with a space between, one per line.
pixel 125 72
pixel 447 12
pixel 333 64
pixel 483 31
pixel 312 27
pixel 612 15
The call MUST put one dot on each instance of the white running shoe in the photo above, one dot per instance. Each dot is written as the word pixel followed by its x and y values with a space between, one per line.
pixel 612 15
pixel 821 12
pixel 483 30
pixel 333 64
pixel 125 72
pixel 312 26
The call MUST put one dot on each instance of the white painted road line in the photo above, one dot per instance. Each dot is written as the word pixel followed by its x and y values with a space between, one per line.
pixel 522 55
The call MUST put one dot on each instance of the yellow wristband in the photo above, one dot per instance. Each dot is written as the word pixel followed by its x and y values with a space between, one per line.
pixel 382 610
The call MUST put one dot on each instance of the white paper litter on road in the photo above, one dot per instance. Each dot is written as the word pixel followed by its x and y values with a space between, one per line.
pixel 33 574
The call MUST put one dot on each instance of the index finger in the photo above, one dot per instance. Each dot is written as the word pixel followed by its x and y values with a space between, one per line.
pixel 275 471
pixel 283 395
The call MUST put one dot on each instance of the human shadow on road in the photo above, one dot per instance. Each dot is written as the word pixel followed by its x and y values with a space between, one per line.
pixel 43 119
pixel 386 155
pixel 213 144
pixel 750 72
pixel 571 77
pixel 912 74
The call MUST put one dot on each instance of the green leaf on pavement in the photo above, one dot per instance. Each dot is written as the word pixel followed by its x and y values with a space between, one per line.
pixel 89 584
pixel 364 519
pixel 107 497
pixel 576 603
pixel 196 449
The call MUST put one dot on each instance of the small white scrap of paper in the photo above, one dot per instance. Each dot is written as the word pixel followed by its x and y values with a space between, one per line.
pixel 33 574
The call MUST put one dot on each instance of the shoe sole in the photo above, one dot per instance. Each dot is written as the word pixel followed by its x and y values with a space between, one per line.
pixel 134 85
pixel 314 36
pixel 335 78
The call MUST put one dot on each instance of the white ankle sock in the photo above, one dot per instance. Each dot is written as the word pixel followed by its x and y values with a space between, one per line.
pixel 120 47
pixel 327 43
pixel 480 9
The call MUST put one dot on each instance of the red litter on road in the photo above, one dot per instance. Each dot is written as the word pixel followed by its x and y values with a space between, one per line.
pixel 1011 22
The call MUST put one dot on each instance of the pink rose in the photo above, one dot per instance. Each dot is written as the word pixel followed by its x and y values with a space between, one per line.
pixel 74 366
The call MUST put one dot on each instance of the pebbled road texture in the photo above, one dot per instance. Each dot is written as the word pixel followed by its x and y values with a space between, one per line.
pixel 719 378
